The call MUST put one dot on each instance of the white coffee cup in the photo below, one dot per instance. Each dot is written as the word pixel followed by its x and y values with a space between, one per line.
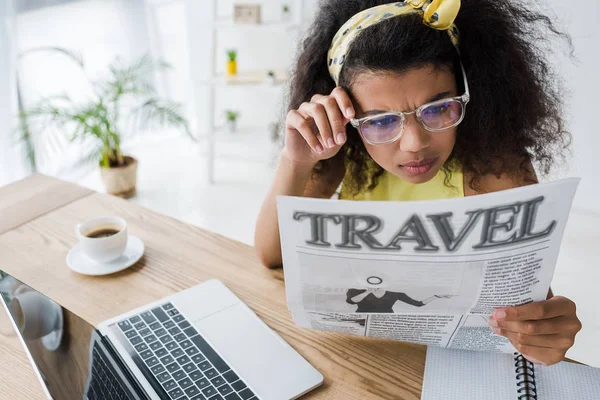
pixel 103 249
pixel 36 315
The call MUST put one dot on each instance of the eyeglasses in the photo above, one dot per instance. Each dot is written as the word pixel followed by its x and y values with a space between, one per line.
pixel 436 116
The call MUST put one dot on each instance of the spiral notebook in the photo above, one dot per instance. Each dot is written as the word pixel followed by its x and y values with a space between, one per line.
pixel 472 375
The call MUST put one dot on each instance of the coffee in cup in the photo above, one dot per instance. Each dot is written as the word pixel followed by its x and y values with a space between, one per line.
pixel 103 239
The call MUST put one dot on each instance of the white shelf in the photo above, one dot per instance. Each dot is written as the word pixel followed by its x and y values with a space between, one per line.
pixel 251 78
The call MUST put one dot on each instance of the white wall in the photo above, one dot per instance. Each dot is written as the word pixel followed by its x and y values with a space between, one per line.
pixel 582 78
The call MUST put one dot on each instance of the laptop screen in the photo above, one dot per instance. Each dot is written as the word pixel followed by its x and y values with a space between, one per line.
pixel 59 343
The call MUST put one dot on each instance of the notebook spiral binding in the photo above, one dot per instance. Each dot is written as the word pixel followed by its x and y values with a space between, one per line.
pixel 525 370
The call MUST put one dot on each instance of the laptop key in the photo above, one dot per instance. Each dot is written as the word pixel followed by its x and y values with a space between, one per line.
pixel 183 360
pixel 135 340
pixel 178 318
pixel 135 320
pixel 198 358
pixel 233 396
pixel 230 376
pixel 150 339
pixel 167 360
pixel 192 391
pixel 155 346
pixel 161 352
pixel 184 324
pixel 178 375
pixel 190 331
pixel 195 375
pixel 141 347
pixel 199 397
pixel 191 351
pixel 177 352
pixel 147 353
pixel 172 367
pixel 160 332
pixel 246 394
pixel 140 325
pixel 168 306
pixel 204 365
pixel 209 352
pixel 211 373
pixel 174 330
pixel 158 369
pixel 125 326
pixel 184 383
pixel 180 337
pixel 160 314
pixel 217 397
pixel 173 312
pixel 145 332
pixel 130 334
pixel 186 344
pixel 202 383
pixel 189 368
pixel 169 324
pixel 209 391
pixel 225 389
pixel 176 393
pixel 171 346
pixel 154 326
pixel 169 385
pixel 239 385
pixel 152 361
pixel 148 317
pixel 166 339
pixel 217 381
pixel 163 376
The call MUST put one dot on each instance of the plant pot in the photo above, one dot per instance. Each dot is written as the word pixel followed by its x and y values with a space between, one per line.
pixel 121 181
pixel 231 67
pixel 232 126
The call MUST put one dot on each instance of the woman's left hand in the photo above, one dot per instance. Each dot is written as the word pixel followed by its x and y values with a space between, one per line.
pixel 542 331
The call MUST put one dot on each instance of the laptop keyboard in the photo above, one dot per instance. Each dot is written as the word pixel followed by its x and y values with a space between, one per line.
pixel 180 359
pixel 104 385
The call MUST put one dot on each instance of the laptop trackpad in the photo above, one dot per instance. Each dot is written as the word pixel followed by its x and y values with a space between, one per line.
pixel 270 367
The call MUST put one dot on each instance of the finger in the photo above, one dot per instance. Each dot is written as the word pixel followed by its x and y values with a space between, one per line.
pixel 317 112
pixel 540 355
pixel 337 122
pixel 537 327
pixel 554 307
pixel 344 102
pixel 550 341
pixel 296 121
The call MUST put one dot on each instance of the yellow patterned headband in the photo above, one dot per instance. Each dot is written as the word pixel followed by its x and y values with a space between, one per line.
pixel 437 14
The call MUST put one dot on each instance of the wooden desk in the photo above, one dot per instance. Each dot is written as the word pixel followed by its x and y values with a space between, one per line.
pixel 179 256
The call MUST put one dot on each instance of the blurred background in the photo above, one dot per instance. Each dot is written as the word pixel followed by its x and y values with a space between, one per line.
pixel 194 90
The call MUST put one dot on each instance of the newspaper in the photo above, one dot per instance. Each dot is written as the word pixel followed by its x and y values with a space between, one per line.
pixel 427 272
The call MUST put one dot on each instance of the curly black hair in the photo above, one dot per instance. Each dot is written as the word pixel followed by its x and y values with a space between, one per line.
pixel 515 112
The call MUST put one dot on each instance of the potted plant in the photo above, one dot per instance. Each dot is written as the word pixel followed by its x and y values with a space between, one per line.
pixel 231 117
pixel 231 62
pixel 271 78
pixel 124 101
pixel 285 13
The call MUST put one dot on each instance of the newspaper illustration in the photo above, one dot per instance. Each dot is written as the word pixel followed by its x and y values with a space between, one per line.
pixel 427 272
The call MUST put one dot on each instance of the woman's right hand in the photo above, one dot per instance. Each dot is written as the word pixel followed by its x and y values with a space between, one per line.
pixel 317 129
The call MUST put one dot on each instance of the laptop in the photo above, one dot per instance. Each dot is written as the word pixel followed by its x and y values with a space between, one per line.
pixel 201 343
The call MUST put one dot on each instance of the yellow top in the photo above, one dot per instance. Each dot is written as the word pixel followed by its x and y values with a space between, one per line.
pixel 390 187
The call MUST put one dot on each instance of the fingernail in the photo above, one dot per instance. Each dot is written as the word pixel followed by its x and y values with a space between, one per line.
pixel 493 322
pixel 319 148
pixel 349 112
pixel 330 142
pixel 499 314
pixel 496 330
pixel 341 138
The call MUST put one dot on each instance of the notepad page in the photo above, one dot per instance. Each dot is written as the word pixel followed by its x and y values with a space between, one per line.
pixel 566 381
pixel 464 375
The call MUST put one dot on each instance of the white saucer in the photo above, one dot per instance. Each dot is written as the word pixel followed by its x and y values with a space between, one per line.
pixel 79 262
